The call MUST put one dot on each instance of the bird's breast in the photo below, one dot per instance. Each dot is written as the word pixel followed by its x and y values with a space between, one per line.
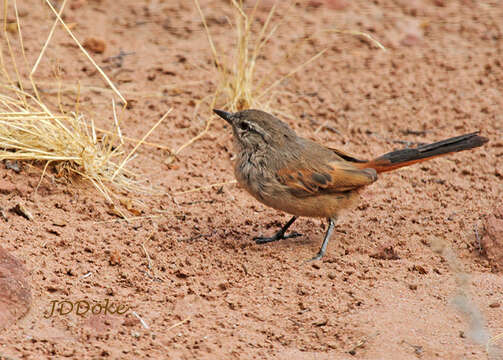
pixel 252 173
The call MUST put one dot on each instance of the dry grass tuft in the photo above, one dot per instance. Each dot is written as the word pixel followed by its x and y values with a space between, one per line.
pixel 237 83
pixel 30 131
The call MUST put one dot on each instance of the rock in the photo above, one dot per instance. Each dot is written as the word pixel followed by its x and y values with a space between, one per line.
pixel 95 45
pixel 412 33
pixel 13 165
pixel 15 291
pixel 492 241
pixel 410 40
pixel 77 4
pixel 337 4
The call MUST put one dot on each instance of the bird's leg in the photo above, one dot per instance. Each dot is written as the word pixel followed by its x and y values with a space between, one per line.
pixel 279 235
pixel 323 249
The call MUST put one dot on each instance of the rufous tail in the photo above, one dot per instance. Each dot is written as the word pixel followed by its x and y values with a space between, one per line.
pixel 399 158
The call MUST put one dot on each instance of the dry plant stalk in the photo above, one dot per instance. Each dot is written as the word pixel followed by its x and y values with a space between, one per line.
pixel 236 76
pixel 30 131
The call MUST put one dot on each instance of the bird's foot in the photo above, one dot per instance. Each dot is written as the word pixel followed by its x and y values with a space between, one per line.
pixel 318 256
pixel 278 236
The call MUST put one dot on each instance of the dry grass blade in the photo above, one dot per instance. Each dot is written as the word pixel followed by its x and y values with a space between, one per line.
pixel 121 166
pixel 236 81
pixel 493 340
pixel 359 33
pixel 109 82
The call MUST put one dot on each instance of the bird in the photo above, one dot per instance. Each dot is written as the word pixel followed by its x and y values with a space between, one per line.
pixel 303 178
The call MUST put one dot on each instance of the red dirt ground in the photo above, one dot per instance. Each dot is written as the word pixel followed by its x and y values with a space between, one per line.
pixel 208 291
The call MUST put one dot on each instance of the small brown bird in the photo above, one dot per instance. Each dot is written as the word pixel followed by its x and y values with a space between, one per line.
pixel 298 176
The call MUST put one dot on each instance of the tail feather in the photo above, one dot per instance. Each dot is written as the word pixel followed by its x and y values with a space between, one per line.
pixel 397 159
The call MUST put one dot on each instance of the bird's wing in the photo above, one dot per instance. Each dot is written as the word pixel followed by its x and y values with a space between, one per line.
pixel 346 156
pixel 333 177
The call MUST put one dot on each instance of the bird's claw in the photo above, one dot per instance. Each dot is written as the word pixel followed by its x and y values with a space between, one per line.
pixel 276 237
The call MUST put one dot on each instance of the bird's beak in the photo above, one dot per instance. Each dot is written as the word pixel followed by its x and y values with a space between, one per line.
pixel 224 115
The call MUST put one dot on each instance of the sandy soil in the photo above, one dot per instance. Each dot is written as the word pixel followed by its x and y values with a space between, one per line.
pixel 391 285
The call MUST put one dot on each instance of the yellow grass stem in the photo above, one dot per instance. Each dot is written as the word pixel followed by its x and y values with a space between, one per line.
pixel 140 142
pixel 359 33
pixel 110 83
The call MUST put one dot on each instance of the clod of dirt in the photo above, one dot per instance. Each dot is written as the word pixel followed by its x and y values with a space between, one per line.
pixel 420 269
pixel 95 45
pixel 76 4
pixel 320 323
pixel 385 253
pixel 410 40
pixel 12 27
pixel 15 292
pixel 492 241
pixel 59 222
pixel 413 33
pixel 115 257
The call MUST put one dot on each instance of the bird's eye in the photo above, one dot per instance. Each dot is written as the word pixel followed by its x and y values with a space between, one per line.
pixel 244 126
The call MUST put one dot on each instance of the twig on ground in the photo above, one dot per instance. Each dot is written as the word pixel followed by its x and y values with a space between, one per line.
pixel 362 342
pixel 178 324
pixel 141 320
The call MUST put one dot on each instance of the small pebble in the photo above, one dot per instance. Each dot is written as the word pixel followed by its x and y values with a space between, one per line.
pixel 95 45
